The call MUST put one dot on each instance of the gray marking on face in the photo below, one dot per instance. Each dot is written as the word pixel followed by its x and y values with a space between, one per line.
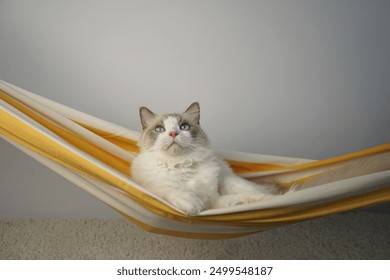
pixel 185 141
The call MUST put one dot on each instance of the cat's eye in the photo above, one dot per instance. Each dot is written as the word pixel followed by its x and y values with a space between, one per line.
pixel 159 129
pixel 185 126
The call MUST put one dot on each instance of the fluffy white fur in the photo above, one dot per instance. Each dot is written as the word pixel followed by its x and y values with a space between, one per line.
pixel 177 164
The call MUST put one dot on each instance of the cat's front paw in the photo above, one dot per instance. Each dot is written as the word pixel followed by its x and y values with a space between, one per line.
pixel 188 202
pixel 237 199
pixel 255 197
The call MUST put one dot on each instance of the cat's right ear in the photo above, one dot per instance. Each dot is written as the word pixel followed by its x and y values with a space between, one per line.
pixel 146 117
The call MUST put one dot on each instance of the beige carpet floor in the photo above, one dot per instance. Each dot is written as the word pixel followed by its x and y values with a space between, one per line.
pixel 355 235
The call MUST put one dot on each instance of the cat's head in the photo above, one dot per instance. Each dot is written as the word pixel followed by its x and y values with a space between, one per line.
pixel 174 134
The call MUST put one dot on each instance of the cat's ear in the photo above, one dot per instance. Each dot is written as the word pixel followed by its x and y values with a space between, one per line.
pixel 146 117
pixel 194 112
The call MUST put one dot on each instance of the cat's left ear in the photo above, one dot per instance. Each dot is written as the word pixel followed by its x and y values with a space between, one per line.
pixel 194 112
pixel 146 117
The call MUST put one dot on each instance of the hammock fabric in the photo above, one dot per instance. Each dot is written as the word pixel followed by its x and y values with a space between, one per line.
pixel 96 156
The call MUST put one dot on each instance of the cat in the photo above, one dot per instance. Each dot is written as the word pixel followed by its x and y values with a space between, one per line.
pixel 176 163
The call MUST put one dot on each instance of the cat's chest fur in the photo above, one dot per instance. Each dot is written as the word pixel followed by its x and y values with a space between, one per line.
pixel 155 171
pixel 184 170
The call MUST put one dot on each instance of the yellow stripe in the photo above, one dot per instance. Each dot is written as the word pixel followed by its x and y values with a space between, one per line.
pixel 184 234
pixel 250 167
pixel 370 151
pixel 123 142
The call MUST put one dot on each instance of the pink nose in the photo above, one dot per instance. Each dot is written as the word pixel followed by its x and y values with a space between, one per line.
pixel 173 134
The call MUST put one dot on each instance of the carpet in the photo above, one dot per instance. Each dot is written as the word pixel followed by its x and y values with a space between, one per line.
pixel 354 235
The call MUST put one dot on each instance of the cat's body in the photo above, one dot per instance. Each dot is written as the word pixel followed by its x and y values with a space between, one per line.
pixel 177 164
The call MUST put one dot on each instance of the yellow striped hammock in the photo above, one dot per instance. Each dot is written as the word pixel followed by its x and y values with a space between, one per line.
pixel 96 156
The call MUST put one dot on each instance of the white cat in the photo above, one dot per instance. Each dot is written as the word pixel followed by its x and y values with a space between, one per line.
pixel 177 164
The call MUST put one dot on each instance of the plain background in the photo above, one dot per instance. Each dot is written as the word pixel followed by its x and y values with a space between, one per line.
pixel 295 78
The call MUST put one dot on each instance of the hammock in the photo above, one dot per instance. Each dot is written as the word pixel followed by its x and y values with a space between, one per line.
pixel 96 156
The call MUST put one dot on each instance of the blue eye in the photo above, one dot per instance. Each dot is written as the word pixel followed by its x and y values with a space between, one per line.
pixel 185 126
pixel 159 129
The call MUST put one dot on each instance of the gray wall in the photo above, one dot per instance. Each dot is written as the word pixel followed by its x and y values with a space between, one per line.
pixel 295 78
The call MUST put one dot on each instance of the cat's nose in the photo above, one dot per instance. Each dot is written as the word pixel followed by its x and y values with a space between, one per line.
pixel 173 134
